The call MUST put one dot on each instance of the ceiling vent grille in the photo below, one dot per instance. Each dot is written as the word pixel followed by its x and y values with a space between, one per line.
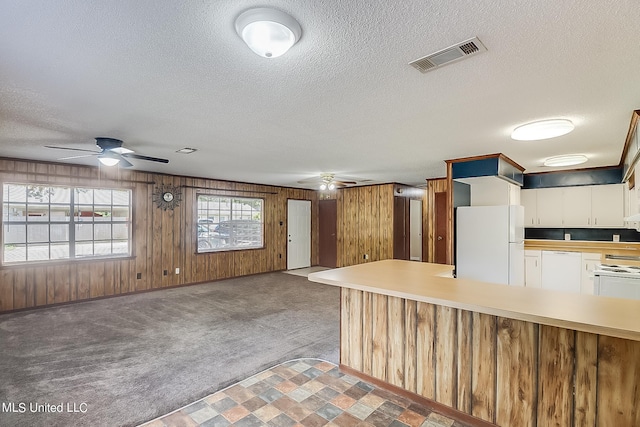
pixel 446 56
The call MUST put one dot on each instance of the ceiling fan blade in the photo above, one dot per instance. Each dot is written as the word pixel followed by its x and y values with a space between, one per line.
pixel 124 163
pixel 78 157
pixel 141 157
pixel 346 182
pixel 73 149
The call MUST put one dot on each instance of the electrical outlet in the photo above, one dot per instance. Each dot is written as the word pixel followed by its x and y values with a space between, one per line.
pixel 567 236
pixel 166 272
pixel 177 270
pixel 616 237
pixel 366 256
pixel 139 276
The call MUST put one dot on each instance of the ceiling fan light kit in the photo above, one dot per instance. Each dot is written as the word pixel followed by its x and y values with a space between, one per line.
pixel 268 32
pixel 109 158
pixel 543 129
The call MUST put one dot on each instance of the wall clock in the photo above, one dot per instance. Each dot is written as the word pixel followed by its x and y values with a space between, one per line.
pixel 167 196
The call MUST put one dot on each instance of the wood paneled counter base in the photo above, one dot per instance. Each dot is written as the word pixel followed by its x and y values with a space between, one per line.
pixel 508 355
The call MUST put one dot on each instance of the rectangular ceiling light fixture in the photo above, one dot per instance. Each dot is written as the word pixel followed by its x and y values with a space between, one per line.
pixel 186 150
pixel 447 56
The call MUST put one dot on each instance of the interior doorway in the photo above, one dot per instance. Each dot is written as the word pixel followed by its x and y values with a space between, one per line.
pixel 327 230
pixel 298 234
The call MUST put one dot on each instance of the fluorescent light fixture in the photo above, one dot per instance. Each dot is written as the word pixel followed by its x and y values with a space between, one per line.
pixel 543 129
pixel 568 160
pixel 186 150
pixel 268 32
pixel 109 159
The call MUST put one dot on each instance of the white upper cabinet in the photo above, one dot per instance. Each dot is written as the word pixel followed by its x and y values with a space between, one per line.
pixel 492 191
pixel 528 199
pixel 600 206
pixel 576 207
pixel 607 205
pixel 550 208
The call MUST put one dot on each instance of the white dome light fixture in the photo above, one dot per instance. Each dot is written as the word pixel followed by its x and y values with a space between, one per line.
pixel 109 158
pixel 268 32
pixel 567 160
pixel 543 129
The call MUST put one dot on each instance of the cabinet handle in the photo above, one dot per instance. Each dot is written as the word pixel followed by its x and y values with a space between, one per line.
pixel 595 221
pixel 538 221
pixel 588 221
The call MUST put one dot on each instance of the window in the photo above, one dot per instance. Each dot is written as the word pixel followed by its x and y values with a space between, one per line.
pixel 42 223
pixel 229 223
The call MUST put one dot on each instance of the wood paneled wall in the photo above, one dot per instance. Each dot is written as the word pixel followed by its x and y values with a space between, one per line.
pixel 162 240
pixel 440 185
pixel 365 224
pixel 508 372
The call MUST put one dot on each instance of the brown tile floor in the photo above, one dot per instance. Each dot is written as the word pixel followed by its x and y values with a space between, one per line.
pixel 304 392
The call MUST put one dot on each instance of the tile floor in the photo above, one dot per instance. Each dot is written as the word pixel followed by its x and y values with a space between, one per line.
pixel 303 392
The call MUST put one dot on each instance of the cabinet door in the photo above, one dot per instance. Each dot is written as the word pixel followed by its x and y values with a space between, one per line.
pixel 549 207
pixel 532 269
pixel 607 205
pixel 589 263
pixel 528 201
pixel 576 207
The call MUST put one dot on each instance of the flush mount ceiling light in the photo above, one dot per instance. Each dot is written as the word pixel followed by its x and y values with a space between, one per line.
pixel 268 32
pixel 568 160
pixel 543 129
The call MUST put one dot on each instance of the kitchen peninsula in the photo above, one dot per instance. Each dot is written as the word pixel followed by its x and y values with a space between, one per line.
pixel 512 356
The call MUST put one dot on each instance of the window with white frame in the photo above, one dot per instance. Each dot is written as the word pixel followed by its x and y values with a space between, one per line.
pixel 46 222
pixel 229 223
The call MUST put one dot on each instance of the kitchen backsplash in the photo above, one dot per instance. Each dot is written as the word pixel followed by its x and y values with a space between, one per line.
pixel 593 234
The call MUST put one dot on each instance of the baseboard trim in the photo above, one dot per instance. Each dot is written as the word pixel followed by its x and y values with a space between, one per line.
pixel 445 410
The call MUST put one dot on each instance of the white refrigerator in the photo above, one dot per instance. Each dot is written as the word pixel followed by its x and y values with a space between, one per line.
pixel 490 244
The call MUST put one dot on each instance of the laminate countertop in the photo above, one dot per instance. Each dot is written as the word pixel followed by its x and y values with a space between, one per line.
pixel 424 282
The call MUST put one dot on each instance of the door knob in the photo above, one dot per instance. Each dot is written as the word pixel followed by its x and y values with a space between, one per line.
pixel 439 237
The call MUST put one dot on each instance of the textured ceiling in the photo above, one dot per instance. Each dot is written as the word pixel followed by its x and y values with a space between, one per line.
pixel 162 75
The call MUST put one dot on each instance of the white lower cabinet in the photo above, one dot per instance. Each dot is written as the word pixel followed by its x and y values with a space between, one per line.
pixel 561 271
pixel 589 263
pixel 532 269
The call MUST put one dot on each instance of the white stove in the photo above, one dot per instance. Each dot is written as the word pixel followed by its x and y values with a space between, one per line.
pixel 618 281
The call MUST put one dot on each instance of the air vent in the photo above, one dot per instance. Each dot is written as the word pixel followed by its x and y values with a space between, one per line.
pixel 446 56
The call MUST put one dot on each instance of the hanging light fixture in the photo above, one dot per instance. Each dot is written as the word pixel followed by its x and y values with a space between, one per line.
pixel 543 129
pixel 268 32
pixel 109 158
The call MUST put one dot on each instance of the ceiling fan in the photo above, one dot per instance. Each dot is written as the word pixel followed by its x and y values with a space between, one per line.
pixel 111 153
pixel 328 181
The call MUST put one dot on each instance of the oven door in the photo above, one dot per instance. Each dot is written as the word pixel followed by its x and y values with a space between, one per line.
pixel 617 287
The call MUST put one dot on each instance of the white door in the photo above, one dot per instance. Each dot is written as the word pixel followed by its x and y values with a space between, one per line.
pixel 298 234
pixel 415 230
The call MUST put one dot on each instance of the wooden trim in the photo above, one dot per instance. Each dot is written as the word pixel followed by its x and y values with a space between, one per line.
pixel 627 142
pixel 445 410
pixel 512 162
pixel 487 156
pixel 450 228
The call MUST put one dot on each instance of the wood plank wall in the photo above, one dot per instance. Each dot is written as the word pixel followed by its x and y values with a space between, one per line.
pixel 429 236
pixel 162 240
pixel 508 372
pixel 365 224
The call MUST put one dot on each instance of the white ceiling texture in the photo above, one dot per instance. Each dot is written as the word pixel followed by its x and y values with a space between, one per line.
pixel 167 74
